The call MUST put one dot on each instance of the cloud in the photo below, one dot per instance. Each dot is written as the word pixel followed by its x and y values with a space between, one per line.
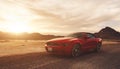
pixel 62 16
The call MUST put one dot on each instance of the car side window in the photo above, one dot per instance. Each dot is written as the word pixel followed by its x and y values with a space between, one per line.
pixel 90 35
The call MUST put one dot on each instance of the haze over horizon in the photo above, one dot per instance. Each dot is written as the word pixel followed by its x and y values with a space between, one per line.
pixel 58 17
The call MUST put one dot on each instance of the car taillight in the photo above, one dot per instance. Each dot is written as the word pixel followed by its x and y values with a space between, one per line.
pixel 100 39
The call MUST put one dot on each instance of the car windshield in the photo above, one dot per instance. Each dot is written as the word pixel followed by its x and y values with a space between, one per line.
pixel 76 35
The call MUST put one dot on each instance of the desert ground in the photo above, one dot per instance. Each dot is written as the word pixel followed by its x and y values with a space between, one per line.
pixel 20 54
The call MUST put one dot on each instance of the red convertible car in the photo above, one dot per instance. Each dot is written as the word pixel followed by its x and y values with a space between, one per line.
pixel 74 44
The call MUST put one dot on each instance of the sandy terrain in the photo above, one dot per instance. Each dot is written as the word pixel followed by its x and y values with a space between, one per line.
pixel 32 55
pixel 20 47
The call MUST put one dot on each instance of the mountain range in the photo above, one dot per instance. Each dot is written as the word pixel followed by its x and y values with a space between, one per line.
pixel 108 33
pixel 105 33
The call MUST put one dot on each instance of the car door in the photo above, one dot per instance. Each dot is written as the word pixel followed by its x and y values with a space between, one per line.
pixel 89 41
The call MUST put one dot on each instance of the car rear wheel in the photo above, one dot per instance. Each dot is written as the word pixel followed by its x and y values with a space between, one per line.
pixel 98 48
pixel 76 50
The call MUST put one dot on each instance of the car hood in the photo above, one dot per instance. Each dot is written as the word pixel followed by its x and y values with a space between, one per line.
pixel 63 39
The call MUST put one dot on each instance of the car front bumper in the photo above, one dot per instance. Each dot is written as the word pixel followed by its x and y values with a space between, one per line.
pixel 58 50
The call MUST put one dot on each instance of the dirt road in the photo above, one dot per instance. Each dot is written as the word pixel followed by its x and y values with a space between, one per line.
pixel 108 58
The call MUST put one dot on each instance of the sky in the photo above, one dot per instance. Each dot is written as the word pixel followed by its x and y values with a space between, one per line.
pixel 59 17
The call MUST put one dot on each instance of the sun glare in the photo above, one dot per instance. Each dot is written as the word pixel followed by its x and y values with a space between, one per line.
pixel 18 28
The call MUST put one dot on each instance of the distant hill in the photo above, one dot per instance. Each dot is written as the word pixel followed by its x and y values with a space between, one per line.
pixel 108 33
pixel 26 36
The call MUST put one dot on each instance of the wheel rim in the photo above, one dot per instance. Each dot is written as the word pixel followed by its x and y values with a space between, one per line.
pixel 76 51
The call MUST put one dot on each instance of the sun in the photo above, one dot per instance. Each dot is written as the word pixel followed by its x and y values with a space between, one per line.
pixel 18 28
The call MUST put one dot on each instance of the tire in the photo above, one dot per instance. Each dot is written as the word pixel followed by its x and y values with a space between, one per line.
pixel 76 50
pixel 98 48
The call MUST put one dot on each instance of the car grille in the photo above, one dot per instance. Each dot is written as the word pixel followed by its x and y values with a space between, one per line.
pixel 52 44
